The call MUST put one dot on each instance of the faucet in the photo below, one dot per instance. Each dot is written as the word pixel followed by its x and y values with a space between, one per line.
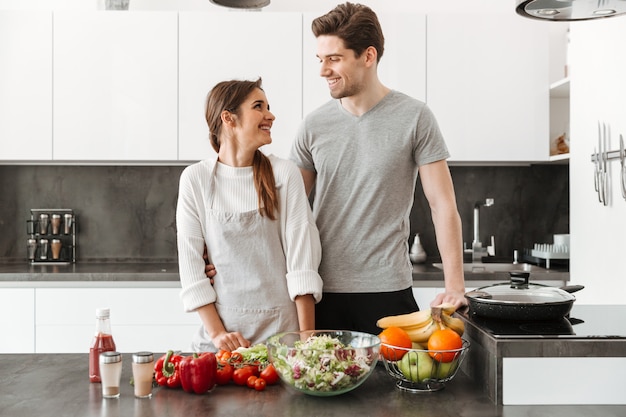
pixel 477 248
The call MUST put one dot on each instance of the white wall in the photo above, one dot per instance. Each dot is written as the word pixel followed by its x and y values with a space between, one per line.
pixel 598 93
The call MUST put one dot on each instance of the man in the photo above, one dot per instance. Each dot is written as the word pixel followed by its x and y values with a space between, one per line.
pixel 362 152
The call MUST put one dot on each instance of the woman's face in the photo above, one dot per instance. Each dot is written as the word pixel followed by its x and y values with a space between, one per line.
pixel 254 120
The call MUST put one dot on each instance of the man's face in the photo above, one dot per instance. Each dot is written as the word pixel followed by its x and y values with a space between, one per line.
pixel 344 72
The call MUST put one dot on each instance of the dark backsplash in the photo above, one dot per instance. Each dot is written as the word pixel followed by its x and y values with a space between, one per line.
pixel 127 213
pixel 531 204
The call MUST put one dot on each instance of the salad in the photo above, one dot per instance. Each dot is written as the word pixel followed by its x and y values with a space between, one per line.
pixel 322 364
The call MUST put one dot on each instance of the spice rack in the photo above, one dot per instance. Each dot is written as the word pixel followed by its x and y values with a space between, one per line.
pixel 51 237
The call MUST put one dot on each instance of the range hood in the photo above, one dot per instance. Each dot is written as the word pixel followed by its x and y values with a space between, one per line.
pixel 570 10
pixel 242 4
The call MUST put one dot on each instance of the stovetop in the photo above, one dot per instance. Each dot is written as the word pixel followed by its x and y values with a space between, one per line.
pixel 583 322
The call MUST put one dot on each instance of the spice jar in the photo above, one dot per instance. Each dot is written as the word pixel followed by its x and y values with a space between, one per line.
pixel 55 222
pixel 143 367
pixel 110 373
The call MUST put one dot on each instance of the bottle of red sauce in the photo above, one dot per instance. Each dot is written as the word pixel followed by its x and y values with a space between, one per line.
pixel 102 342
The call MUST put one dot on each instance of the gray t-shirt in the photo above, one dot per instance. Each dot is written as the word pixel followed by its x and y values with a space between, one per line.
pixel 366 172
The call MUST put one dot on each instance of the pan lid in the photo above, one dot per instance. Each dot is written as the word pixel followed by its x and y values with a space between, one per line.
pixel 520 291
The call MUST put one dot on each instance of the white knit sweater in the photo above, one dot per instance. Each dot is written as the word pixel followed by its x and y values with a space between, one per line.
pixel 235 192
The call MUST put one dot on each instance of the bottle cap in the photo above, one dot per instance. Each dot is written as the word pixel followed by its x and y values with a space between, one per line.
pixel 103 312
pixel 110 357
pixel 143 357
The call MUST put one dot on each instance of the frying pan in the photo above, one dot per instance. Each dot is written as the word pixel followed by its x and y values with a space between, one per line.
pixel 521 300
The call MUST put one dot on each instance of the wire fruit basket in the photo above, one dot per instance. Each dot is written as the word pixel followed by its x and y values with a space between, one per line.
pixel 421 370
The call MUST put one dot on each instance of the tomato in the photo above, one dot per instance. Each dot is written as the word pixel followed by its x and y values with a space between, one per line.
pixel 224 373
pixel 444 339
pixel 222 355
pixel 394 336
pixel 259 384
pixel 241 375
pixel 236 357
pixel 251 380
pixel 269 374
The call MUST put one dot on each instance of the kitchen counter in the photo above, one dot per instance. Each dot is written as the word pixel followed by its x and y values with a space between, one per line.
pixel 166 274
pixel 114 274
pixel 58 385
pixel 578 359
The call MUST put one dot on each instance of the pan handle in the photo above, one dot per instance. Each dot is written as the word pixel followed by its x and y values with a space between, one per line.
pixel 572 288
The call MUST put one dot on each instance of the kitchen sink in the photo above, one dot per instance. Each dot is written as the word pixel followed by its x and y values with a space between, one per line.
pixel 496 267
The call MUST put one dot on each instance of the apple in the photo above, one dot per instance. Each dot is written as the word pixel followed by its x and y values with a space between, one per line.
pixel 444 369
pixel 416 366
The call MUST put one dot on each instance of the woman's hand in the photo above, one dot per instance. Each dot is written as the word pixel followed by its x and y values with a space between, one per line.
pixel 230 341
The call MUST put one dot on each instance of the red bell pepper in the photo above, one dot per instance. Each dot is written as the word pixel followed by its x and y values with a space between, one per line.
pixel 198 373
pixel 166 370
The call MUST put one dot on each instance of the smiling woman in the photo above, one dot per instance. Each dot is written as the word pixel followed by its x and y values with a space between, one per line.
pixel 248 215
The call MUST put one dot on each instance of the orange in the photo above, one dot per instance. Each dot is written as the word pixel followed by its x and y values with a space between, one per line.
pixel 444 339
pixel 394 336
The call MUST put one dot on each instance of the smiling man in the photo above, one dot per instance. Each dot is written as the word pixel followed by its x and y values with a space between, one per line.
pixel 362 151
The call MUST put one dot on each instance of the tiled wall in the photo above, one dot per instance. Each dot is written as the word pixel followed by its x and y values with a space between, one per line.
pixel 127 213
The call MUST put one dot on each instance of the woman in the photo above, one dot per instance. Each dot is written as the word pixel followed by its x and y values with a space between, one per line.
pixel 251 212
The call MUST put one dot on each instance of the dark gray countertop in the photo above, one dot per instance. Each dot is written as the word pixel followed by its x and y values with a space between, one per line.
pixel 168 272
pixel 58 385
pixel 91 271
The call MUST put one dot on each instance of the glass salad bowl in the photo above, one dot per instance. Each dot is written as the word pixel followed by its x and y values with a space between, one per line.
pixel 323 362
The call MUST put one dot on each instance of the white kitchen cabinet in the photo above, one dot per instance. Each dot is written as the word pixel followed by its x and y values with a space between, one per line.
pixel 141 319
pixel 214 47
pixel 424 295
pixel 402 66
pixel 25 85
pixel 17 313
pixel 115 86
pixel 488 85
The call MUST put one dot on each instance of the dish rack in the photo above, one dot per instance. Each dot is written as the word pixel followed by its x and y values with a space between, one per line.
pixel 548 251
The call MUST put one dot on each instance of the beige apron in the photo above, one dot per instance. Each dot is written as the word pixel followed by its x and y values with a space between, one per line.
pixel 251 284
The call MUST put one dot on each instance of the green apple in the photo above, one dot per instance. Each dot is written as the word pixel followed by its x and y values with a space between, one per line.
pixel 445 369
pixel 416 366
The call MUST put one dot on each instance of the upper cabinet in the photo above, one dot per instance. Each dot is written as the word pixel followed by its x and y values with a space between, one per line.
pixel 115 86
pixel 488 86
pixel 25 85
pixel 215 47
pixel 402 66
pixel 129 87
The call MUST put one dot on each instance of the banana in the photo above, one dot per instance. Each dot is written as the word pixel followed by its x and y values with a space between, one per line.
pixel 453 323
pixel 447 308
pixel 422 334
pixel 419 346
pixel 417 318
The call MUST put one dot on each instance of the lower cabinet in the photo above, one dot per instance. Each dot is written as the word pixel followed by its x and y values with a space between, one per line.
pixel 149 319
pixel 424 295
pixel 17 315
